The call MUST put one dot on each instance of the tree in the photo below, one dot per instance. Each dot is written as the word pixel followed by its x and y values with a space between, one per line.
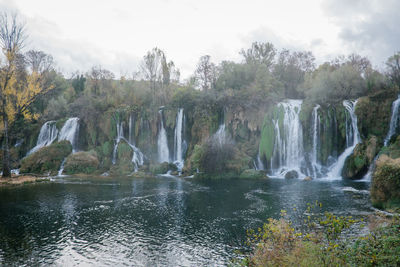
pixel 260 53
pixel 38 61
pixel 151 67
pixel 99 78
pixel 291 68
pixel 393 66
pixel 17 94
pixel 206 73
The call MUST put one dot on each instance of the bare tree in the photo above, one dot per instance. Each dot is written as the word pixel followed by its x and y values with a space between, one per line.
pixel 393 66
pixel 99 78
pixel 151 67
pixel 206 73
pixel 38 61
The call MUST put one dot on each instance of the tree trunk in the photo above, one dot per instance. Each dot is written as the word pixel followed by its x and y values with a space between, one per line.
pixel 6 152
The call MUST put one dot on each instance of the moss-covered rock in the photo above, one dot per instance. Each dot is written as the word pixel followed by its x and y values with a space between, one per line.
pixel 124 165
pixel 81 162
pixel 160 168
pixel 212 159
pixel 385 187
pixel 291 174
pixel 47 159
pixel 252 174
pixel 374 112
pixel 356 165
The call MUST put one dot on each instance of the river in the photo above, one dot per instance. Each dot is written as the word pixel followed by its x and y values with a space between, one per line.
pixel 161 221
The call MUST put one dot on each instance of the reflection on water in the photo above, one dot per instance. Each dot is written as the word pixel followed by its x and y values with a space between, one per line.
pixel 152 222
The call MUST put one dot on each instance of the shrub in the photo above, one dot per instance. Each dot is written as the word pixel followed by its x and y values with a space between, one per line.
pixel 47 159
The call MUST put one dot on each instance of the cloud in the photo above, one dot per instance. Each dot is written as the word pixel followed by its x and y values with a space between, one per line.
pixel 368 27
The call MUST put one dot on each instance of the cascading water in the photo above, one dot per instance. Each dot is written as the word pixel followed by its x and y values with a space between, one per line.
pixel 259 165
pixel 352 139
pixel 137 156
pixel 179 142
pixel 288 145
pixel 70 132
pixel 162 142
pixel 120 136
pixel 220 135
pixel 394 120
pixel 131 135
pixel 316 167
pixel 48 134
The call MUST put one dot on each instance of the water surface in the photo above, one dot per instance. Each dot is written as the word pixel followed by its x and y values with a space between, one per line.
pixel 162 221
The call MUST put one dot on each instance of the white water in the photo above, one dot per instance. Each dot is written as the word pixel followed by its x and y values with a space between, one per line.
pixel 162 142
pixel 352 139
pixel 48 133
pixel 288 145
pixel 259 165
pixel 60 171
pixel 137 156
pixel 179 141
pixel 131 135
pixel 70 132
pixel 316 167
pixel 394 120
pixel 220 134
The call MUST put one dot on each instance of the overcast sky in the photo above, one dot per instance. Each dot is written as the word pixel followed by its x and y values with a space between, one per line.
pixel 116 33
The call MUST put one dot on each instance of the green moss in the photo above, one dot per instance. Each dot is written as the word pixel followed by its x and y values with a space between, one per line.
pixel 47 159
pixel 252 174
pixel 267 140
pixel 385 187
pixel 161 168
pixel 82 162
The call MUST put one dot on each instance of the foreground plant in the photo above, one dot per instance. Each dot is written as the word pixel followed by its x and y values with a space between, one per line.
pixel 322 242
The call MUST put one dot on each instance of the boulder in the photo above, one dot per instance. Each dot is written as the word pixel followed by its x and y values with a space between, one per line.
pixel 160 168
pixel 308 178
pixel 291 174
pixel 356 165
pixel 46 160
pixel 385 187
pixel 81 162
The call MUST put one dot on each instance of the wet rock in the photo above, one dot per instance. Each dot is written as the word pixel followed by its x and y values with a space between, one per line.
pixel 291 174
pixel 308 178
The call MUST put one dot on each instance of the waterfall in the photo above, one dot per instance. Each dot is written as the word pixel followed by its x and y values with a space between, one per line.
pixel 258 165
pixel 352 139
pixel 316 167
pixel 394 120
pixel 131 130
pixel 120 136
pixel 60 171
pixel 48 134
pixel 220 135
pixel 288 145
pixel 162 142
pixel 70 132
pixel 137 156
pixel 179 141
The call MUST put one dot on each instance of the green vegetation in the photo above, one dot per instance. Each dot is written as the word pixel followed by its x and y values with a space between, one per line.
pixel 322 242
pixel 81 162
pixel 46 160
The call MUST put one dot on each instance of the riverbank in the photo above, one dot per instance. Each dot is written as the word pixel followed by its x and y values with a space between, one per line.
pixel 16 180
